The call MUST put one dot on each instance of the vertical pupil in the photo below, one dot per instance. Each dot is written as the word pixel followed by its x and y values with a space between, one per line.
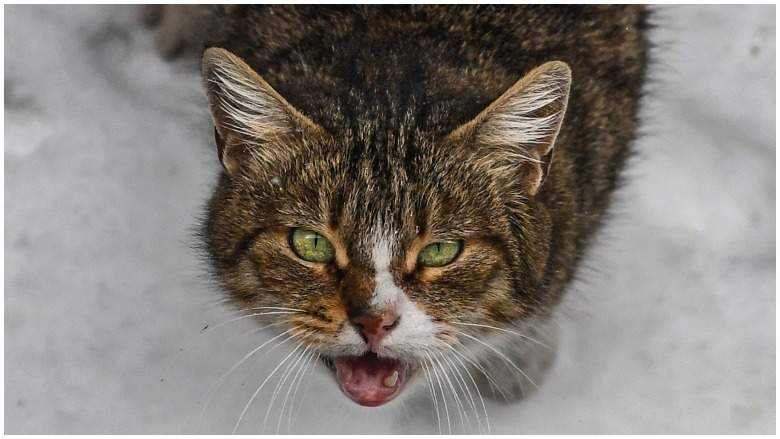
pixel 438 247
pixel 316 240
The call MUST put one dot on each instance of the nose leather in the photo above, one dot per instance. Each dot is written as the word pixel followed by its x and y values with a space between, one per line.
pixel 374 327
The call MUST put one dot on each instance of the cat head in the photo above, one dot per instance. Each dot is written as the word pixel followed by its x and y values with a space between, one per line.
pixel 380 248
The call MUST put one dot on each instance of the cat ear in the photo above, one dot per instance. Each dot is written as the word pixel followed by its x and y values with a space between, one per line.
pixel 253 124
pixel 515 135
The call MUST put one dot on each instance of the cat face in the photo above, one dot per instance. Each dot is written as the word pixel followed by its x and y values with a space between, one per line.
pixel 380 251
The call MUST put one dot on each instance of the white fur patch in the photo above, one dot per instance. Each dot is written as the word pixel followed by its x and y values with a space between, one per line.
pixel 386 292
pixel 415 328
pixel 415 331
pixel 513 123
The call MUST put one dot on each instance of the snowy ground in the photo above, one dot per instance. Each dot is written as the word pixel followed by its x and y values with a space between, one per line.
pixel 108 157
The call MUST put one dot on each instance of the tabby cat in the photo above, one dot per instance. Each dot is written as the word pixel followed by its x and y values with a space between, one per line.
pixel 408 190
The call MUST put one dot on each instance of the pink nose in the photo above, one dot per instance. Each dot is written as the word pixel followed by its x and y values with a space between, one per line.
pixel 374 327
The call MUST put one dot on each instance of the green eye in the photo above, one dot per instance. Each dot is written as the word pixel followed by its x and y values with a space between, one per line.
pixel 311 246
pixel 439 253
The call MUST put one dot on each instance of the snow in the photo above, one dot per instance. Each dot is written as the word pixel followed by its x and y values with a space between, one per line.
pixel 109 158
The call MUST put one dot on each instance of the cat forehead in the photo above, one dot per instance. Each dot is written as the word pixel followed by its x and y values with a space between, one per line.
pixel 365 193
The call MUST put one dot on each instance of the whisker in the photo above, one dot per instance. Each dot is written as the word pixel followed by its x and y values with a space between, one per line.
pixel 464 388
pixel 259 388
pixel 290 387
pixel 255 331
pixel 296 384
pixel 501 354
pixel 476 387
pixel 278 386
pixel 453 392
pixel 282 380
pixel 280 308
pixel 529 338
pixel 305 389
pixel 238 364
pixel 441 390
pixel 270 313
pixel 493 384
pixel 428 379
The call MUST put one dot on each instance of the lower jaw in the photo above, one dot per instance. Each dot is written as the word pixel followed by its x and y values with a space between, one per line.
pixel 386 394
pixel 371 402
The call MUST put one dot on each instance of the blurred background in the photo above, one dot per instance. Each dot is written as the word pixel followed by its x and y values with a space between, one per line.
pixel 109 158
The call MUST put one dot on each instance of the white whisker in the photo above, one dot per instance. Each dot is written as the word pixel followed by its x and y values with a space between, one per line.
pixel 279 308
pixel 246 317
pixel 235 366
pixel 259 388
pixel 296 384
pixel 476 387
pixel 290 368
pixel 255 331
pixel 507 331
pixel 500 354
pixel 441 390
pixel 428 379
pixel 463 386
pixel 459 405
pixel 493 384
pixel 305 389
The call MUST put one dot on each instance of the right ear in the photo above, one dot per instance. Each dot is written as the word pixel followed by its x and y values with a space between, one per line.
pixel 254 126
pixel 513 138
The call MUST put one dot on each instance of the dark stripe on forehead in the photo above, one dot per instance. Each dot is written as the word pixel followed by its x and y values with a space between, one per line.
pixel 336 208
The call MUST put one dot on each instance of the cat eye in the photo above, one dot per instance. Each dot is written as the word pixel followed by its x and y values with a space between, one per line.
pixel 311 246
pixel 439 253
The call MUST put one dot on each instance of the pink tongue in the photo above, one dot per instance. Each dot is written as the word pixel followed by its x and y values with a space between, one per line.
pixel 363 379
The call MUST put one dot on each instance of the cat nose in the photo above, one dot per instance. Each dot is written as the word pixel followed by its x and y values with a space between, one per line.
pixel 373 327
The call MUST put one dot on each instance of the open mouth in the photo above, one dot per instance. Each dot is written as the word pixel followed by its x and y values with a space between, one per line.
pixel 370 380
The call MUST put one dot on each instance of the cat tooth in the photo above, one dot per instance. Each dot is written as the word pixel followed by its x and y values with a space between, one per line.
pixel 391 380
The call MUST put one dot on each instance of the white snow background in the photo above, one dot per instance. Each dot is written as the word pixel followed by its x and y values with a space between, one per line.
pixel 109 157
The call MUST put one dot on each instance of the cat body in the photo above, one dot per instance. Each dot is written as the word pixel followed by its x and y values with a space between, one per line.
pixel 487 137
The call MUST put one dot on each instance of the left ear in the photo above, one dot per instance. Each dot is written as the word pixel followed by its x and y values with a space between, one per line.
pixel 515 135
pixel 255 127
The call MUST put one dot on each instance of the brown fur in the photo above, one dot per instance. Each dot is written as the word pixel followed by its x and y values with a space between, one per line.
pixel 385 109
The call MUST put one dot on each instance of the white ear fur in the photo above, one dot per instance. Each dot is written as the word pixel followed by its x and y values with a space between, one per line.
pixel 241 101
pixel 532 112
pixel 250 117
pixel 521 126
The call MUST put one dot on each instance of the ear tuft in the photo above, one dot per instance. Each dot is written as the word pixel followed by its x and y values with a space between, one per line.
pixel 531 112
pixel 251 119
pixel 515 135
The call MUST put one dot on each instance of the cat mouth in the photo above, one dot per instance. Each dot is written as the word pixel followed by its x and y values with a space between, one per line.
pixel 368 379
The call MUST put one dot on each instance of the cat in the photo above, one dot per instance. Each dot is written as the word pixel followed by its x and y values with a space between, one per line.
pixel 408 190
